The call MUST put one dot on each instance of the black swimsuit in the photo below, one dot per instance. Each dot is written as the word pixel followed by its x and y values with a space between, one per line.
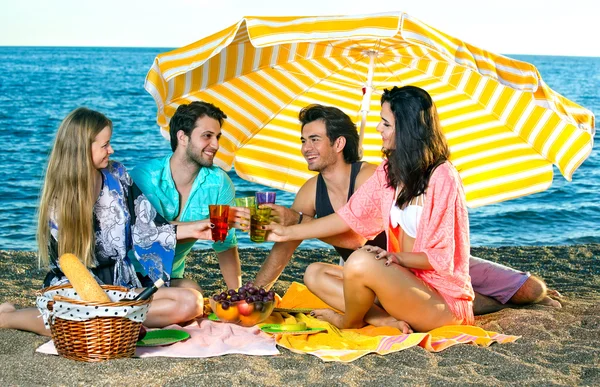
pixel 323 208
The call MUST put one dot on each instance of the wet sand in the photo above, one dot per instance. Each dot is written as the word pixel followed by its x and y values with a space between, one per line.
pixel 558 347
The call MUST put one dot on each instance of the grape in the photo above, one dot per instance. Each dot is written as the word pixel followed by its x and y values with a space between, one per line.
pixel 216 297
pixel 249 299
pixel 142 333
pixel 249 285
pixel 270 297
pixel 223 296
pixel 225 305
pixel 252 290
pixel 262 291
pixel 231 292
pixel 266 299
pixel 271 294
pixel 235 298
pixel 258 306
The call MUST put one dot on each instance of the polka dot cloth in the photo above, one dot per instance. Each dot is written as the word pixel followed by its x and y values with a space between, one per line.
pixel 70 311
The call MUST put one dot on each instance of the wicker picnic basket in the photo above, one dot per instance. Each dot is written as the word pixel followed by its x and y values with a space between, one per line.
pixel 98 338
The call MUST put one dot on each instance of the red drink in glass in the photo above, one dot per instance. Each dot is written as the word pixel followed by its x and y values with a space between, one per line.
pixel 219 216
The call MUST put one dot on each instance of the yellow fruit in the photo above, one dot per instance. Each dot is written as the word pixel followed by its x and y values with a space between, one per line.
pixel 301 326
pixel 228 315
pixel 248 321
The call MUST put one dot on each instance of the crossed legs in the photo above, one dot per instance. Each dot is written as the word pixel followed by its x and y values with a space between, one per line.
pixel 169 306
pixel 174 306
pixel 352 289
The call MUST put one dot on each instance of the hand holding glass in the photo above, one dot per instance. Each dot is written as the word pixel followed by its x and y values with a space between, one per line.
pixel 260 217
pixel 247 202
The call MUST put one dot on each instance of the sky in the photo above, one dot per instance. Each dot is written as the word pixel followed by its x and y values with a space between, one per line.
pixel 539 27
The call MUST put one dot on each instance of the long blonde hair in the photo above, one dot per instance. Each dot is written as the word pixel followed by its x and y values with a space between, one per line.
pixel 68 192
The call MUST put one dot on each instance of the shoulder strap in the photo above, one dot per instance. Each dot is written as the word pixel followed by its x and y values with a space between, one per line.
pixel 353 174
pixel 323 205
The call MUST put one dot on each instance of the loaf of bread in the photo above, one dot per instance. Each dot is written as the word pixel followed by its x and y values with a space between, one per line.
pixel 82 280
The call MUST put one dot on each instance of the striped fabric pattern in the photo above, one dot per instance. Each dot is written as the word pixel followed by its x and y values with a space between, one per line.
pixel 505 126
pixel 347 345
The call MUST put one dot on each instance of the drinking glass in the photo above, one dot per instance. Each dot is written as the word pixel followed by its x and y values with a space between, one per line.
pixel 265 197
pixel 248 202
pixel 219 216
pixel 260 217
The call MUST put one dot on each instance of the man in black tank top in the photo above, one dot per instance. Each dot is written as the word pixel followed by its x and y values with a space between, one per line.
pixel 330 147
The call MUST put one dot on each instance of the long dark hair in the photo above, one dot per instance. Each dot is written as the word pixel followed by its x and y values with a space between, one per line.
pixel 420 143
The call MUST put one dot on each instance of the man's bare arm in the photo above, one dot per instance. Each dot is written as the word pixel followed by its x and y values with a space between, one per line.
pixel 273 266
pixel 229 263
pixel 282 252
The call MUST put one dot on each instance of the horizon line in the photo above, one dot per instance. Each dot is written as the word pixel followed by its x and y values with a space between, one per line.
pixel 173 48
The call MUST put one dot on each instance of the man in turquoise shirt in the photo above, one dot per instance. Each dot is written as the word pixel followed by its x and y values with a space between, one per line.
pixel 182 185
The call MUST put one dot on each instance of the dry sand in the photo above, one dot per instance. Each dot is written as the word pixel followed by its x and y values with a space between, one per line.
pixel 558 347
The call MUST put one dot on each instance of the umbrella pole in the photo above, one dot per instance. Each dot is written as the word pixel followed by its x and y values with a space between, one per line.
pixel 366 101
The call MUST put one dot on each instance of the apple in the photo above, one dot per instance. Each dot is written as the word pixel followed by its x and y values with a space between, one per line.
pixel 245 308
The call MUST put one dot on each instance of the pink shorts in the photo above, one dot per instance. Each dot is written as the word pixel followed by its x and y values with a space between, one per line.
pixel 495 280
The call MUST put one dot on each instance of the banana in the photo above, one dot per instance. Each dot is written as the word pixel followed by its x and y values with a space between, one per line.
pixel 301 326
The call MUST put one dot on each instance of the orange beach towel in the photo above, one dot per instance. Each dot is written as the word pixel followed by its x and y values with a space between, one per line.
pixel 347 345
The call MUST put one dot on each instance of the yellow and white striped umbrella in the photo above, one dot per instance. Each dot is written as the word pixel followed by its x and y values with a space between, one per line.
pixel 505 126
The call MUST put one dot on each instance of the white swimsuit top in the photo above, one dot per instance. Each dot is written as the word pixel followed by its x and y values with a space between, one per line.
pixel 407 218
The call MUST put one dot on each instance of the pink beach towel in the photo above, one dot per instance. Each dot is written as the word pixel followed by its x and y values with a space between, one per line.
pixel 208 338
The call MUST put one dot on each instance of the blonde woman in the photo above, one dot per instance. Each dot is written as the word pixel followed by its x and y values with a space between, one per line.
pixel 90 207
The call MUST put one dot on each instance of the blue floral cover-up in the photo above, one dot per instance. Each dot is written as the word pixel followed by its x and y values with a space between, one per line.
pixel 124 220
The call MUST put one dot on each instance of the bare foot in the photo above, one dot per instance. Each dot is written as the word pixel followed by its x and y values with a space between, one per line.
pixel 330 316
pixel 5 308
pixel 553 293
pixel 547 301
pixel 392 322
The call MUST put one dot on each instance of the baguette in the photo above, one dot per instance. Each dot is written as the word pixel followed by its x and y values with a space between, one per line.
pixel 82 280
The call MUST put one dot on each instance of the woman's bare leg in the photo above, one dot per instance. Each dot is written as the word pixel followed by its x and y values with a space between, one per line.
pixel 326 281
pixel 28 319
pixel 174 306
pixel 185 283
pixel 402 295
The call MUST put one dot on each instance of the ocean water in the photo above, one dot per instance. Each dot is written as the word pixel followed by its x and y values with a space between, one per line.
pixel 40 85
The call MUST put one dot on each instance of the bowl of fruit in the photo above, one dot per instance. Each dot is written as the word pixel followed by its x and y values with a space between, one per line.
pixel 246 306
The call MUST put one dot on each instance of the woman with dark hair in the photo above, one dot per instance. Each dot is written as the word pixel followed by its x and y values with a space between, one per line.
pixel 416 197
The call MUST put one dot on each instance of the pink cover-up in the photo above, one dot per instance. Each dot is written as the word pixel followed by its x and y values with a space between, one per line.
pixel 442 234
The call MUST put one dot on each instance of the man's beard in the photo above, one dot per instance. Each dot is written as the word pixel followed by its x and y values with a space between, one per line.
pixel 197 158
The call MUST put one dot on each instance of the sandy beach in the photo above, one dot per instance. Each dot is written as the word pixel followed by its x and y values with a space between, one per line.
pixel 558 347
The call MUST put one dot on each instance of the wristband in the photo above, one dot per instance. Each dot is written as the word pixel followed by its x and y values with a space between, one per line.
pixel 300 218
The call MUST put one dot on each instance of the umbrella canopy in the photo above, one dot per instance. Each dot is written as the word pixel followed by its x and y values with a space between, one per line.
pixel 504 125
